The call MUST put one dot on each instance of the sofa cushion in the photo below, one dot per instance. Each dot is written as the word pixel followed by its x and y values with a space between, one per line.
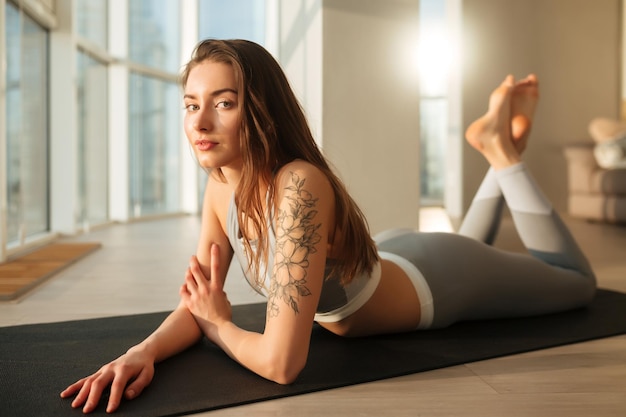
pixel 598 207
pixel 608 181
pixel 586 176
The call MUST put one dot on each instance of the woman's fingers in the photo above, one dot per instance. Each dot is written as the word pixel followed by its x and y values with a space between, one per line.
pixel 196 276
pixel 215 267
pixel 137 386
pixel 72 389
pixel 184 292
pixel 120 387
pixel 83 393
pixel 117 389
pixel 196 272
pixel 91 391
pixel 190 279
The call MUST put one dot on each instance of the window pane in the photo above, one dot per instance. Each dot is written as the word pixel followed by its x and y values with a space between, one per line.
pixel 154 146
pixel 435 49
pixel 92 141
pixel 433 130
pixel 91 20
pixel 154 33
pixel 435 57
pixel 242 19
pixel 27 122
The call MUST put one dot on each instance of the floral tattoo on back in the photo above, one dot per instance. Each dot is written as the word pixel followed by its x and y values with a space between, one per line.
pixel 296 237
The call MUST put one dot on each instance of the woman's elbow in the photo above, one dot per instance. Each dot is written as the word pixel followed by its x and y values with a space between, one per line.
pixel 286 372
pixel 287 376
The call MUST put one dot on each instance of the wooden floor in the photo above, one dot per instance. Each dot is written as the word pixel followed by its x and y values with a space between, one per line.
pixel 141 266
pixel 20 275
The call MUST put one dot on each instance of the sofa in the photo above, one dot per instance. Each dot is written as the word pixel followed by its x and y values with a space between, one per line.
pixel 594 193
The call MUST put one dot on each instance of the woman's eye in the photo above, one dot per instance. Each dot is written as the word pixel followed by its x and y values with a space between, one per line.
pixel 191 107
pixel 225 104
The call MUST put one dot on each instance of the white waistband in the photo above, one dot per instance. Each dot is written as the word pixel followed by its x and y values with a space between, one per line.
pixel 424 295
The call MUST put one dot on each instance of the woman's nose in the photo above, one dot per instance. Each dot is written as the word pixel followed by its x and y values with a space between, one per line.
pixel 203 121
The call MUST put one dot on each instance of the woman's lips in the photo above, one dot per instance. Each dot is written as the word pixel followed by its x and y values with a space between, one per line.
pixel 205 145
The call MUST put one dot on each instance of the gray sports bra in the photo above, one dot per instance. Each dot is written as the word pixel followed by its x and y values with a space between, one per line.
pixel 336 301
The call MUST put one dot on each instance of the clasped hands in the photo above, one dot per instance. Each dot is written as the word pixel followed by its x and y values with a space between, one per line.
pixel 204 296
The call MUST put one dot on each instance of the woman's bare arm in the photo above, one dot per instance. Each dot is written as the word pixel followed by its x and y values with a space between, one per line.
pixel 305 210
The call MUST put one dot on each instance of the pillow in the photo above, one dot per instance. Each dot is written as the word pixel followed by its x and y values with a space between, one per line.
pixel 611 154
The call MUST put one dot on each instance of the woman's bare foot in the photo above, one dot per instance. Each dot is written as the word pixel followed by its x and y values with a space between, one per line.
pixel 491 133
pixel 523 102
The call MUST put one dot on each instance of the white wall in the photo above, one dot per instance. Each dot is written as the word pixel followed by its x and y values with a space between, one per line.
pixel 572 45
pixel 371 105
pixel 366 113
pixel 300 54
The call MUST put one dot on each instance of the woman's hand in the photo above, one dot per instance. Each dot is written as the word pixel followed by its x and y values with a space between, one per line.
pixel 128 375
pixel 205 297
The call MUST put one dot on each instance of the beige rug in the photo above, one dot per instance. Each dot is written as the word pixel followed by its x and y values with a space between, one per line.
pixel 21 275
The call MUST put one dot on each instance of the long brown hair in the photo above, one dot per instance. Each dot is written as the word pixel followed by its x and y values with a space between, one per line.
pixel 274 132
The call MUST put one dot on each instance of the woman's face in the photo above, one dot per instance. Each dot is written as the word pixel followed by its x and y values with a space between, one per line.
pixel 212 115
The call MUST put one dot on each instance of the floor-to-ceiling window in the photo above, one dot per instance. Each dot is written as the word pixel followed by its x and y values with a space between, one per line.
pixel 26 126
pixel 92 95
pixel 154 146
pixel 154 107
pixel 434 60
pixel 92 141
pixel 242 19
pixel 92 21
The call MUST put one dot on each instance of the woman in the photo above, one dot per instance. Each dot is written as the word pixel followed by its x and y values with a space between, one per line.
pixel 272 201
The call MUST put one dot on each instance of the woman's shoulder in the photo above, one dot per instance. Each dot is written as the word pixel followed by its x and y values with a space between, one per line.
pixel 303 189
pixel 300 174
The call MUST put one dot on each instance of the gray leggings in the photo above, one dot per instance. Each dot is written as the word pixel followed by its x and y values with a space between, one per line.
pixel 470 280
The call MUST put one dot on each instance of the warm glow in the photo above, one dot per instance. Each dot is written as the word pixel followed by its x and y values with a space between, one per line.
pixel 436 58
pixel 434 219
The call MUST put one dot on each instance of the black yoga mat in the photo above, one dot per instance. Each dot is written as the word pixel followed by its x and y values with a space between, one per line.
pixel 38 361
